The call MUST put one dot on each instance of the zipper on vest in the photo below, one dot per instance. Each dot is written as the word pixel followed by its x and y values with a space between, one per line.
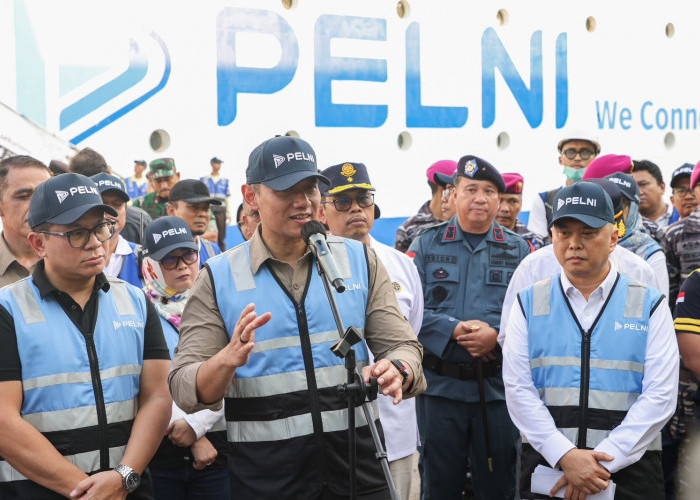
pixel 311 382
pixel 583 395
pixel 99 400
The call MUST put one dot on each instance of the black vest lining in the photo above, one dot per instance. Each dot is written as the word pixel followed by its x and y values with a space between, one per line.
pixel 73 441
pixel 281 405
pixel 570 417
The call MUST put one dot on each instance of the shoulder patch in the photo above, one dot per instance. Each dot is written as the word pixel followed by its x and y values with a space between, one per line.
pixel 397 286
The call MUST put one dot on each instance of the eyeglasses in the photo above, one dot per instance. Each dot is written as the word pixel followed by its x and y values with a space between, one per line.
pixel 345 204
pixel 170 262
pixel 682 191
pixel 78 238
pixel 584 153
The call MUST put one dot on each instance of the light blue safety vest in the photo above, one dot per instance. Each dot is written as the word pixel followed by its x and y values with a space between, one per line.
pixel 296 338
pixel 207 251
pixel 81 393
pixel 589 380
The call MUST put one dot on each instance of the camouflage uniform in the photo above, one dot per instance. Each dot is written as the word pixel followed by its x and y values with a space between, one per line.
pixel 535 240
pixel 408 231
pixel 152 204
pixel 681 244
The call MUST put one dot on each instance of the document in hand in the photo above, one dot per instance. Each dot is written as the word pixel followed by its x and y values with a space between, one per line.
pixel 544 479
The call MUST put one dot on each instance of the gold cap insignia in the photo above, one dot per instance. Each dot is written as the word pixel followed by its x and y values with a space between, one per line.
pixel 470 168
pixel 348 171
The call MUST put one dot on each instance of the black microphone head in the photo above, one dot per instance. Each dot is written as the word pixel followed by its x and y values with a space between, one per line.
pixel 312 227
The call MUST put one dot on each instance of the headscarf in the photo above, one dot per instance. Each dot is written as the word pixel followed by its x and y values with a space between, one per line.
pixel 167 301
pixel 635 237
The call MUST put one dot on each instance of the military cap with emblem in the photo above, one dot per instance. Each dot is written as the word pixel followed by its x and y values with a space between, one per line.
pixel 514 183
pixel 479 169
pixel 346 176
pixel 162 167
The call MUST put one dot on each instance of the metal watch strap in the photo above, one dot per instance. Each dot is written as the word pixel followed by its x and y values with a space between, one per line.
pixel 125 471
pixel 401 368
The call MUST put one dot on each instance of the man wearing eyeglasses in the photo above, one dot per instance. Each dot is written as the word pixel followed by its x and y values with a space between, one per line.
pixel 575 154
pixel 191 201
pixel 465 265
pixel 682 197
pixel 83 394
pixel 348 209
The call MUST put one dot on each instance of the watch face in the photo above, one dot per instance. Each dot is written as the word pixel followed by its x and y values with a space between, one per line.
pixel 132 481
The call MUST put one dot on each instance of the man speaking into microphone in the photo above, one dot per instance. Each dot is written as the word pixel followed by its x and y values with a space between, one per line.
pixel 257 331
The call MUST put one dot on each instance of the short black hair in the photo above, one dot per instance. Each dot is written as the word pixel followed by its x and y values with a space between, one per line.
pixel 433 187
pixel 88 162
pixel 648 166
pixel 19 161
pixel 238 213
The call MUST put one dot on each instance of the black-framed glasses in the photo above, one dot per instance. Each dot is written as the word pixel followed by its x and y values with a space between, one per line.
pixel 682 191
pixel 345 203
pixel 78 238
pixel 170 262
pixel 584 153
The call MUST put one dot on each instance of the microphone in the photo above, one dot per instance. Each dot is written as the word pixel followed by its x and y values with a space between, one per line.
pixel 314 235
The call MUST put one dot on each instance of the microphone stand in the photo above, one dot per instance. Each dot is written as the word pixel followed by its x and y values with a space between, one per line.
pixel 354 391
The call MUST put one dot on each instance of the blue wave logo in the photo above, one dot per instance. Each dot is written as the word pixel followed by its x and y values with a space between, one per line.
pixel 127 90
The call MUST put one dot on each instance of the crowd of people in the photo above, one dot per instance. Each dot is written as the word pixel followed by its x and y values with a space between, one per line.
pixel 142 359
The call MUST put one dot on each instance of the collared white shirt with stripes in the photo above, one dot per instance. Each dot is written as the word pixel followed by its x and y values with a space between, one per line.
pixel 627 442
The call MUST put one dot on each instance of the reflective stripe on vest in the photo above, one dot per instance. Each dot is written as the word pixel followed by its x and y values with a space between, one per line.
pixel 88 461
pixel 288 428
pixel 597 436
pixel 618 351
pixel 276 366
pixel 58 391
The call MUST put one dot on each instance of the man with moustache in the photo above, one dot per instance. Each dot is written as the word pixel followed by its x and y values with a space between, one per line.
pixel 258 329
pixel 590 362
pixel 682 197
pixel 465 265
pixel 191 201
pixel 509 208
pixel 163 175
pixel 83 394
pixel 348 209
pixel 19 177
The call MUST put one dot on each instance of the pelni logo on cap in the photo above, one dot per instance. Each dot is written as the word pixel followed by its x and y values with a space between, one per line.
pixel 279 160
pixel 576 200
pixel 168 232
pixel 61 195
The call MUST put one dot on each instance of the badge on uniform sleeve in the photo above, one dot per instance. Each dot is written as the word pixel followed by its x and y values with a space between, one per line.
pixel 450 232
pixel 397 286
pixel 441 273
pixel 411 254
pixel 498 234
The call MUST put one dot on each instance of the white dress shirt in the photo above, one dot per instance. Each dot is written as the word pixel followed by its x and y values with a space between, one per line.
pixel 543 263
pixel 657 261
pixel 117 259
pixel 399 421
pixel 627 442
pixel 537 221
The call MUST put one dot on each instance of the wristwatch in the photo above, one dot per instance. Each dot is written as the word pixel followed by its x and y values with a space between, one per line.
pixel 130 478
pixel 402 370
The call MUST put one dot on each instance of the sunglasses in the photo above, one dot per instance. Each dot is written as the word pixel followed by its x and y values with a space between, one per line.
pixel 345 204
pixel 170 261
pixel 584 153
